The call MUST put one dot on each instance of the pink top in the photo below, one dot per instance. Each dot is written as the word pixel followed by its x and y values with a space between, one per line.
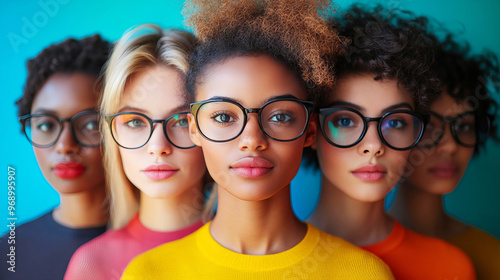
pixel 106 256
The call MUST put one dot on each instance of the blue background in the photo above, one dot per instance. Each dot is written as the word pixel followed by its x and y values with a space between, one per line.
pixel 476 200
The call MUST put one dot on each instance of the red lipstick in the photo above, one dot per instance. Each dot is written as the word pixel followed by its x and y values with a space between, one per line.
pixel 68 170
pixel 445 170
pixel 159 172
pixel 370 172
pixel 252 167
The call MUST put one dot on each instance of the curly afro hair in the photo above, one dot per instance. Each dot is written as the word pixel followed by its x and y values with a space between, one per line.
pixel 86 55
pixel 292 32
pixel 391 44
pixel 473 79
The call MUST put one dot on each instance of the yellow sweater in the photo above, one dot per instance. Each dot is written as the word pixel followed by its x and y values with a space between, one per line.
pixel 198 256
pixel 484 251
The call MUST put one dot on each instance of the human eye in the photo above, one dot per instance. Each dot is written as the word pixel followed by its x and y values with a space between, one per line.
pixel 180 122
pixel 222 117
pixel 45 124
pixel 282 117
pixel 396 123
pixel 343 122
pixel 465 127
pixel 131 121
pixel 92 126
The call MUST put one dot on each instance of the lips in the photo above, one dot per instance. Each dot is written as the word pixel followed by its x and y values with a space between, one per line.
pixel 370 173
pixel 159 172
pixel 252 167
pixel 69 170
pixel 445 170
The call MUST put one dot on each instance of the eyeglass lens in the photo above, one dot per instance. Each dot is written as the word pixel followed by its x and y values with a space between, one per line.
pixel 44 130
pixel 132 130
pixel 463 130
pixel 399 130
pixel 281 120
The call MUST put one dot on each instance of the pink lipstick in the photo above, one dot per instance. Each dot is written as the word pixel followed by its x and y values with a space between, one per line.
pixel 252 167
pixel 69 170
pixel 159 172
pixel 370 172
pixel 445 170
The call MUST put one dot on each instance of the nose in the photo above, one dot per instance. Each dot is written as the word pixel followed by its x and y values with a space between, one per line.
pixel 158 144
pixel 447 143
pixel 371 144
pixel 66 144
pixel 252 138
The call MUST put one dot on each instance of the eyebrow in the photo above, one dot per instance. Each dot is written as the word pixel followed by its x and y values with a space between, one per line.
pixel 362 109
pixel 47 111
pixel 178 109
pixel 225 98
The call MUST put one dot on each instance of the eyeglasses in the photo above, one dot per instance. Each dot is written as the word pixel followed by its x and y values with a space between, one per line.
pixel 132 130
pixel 463 129
pixel 222 120
pixel 43 130
pixel 345 127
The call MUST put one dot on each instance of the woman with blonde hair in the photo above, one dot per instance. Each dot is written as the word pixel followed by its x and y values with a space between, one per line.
pixel 156 175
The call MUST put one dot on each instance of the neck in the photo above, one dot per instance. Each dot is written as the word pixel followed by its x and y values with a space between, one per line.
pixel 257 227
pixel 171 213
pixel 82 210
pixel 423 212
pixel 361 223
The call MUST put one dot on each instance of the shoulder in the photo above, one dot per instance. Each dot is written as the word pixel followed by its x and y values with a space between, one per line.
pixel 349 259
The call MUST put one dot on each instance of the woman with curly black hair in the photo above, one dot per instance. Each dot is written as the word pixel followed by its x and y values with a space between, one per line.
pixel 252 79
pixel 462 119
pixel 369 123
pixel 58 116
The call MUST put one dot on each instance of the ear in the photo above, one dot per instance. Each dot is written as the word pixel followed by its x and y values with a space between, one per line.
pixel 312 130
pixel 194 134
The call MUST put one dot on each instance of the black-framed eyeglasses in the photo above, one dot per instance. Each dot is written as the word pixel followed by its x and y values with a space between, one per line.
pixel 43 130
pixel 463 128
pixel 222 120
pixel 132 130
pixel 345 127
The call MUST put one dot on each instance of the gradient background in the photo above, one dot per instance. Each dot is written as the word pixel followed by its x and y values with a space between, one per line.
pixel 476 200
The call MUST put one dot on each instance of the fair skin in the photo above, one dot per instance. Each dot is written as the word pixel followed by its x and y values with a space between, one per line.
pixel 352 207
pixel 175 201
pixel 82 197
pixel 437 172
pixel 254 215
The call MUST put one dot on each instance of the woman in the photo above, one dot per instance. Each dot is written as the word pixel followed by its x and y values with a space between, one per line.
pixel 251 117
pixel 155 173
pixel 368 127
pixel 461 118
pixel 58 116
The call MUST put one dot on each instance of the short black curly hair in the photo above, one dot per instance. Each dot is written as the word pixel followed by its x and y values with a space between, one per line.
pixel 473 79
pixel 86 55
pixel 292 32
pixel 391 44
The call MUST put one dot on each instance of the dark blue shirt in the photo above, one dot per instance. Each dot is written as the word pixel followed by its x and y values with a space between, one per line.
pixel 43 249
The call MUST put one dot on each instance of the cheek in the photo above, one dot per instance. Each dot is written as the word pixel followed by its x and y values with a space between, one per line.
pixel 130 162
pixel 43 158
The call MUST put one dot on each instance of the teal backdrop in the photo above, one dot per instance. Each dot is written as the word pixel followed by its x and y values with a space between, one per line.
pixel 26 27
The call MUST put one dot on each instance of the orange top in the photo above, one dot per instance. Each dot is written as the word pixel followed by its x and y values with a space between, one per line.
pixel 483 249
pixel 414 256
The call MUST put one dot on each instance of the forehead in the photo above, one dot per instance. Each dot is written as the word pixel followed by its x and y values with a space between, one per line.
pixel 155 89
pixel 372 95
pixel 66 94
pixel 447 106
pixel 250 80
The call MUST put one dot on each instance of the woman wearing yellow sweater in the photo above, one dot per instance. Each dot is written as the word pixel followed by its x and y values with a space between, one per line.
pixel 259 65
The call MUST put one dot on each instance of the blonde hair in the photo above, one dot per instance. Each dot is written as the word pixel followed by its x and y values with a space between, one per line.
pixel 143 46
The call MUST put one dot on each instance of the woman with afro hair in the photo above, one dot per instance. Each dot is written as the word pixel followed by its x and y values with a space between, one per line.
pixel 369 124
pixel 252 80
pixel 462 119
pixel 58 114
